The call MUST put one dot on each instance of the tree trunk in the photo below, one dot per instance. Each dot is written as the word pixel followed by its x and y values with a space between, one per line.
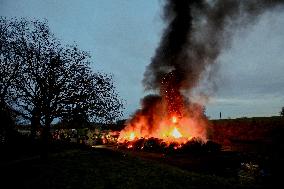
pixel 46 139
pixel 35 125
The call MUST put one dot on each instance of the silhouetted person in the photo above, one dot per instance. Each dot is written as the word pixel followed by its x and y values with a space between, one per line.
pixel 220 115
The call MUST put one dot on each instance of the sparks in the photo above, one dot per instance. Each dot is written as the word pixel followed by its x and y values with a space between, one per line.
pixel 174 119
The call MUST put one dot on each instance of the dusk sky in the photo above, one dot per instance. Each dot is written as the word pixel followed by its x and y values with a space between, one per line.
pixel 122 36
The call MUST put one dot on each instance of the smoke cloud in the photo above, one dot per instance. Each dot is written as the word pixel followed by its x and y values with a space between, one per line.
pixel 196 34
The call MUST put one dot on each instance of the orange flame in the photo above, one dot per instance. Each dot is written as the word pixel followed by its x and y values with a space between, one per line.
pixel 131 136
pixel 175 133
pixel 169 130
pixel 174 119
pixel 168 116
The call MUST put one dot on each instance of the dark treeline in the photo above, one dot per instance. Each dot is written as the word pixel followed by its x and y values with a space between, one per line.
pixel 42 80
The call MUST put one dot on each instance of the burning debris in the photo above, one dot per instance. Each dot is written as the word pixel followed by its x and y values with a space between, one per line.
pixel 155 122
pixel 194 146
pixel 196 33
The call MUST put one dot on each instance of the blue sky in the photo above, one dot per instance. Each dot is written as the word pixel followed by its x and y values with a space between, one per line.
pixel 122 36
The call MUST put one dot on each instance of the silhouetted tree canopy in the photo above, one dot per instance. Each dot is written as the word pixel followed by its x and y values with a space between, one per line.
pixel 282 112
pixel 43 80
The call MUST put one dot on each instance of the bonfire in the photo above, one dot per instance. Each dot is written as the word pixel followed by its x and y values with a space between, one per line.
pixel 167 117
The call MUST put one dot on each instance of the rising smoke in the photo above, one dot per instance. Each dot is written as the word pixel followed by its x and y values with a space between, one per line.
pixel 196 34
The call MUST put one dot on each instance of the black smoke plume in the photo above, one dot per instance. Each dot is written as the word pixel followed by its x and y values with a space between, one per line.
pixel 196 34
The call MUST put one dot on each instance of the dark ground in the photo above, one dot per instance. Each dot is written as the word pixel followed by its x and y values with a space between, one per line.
pixel 101 168
pixel 106 168
pixel 256 162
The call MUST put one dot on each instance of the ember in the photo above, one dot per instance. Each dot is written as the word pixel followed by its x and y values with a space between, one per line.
pixel 174 119
pixel 155 120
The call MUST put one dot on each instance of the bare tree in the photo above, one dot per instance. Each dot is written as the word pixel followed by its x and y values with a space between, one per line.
pixel 50 80
pixel 9 70
pixel 9 60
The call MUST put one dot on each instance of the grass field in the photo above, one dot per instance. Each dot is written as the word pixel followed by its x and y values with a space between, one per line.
pixel 102 168
pixel 71 166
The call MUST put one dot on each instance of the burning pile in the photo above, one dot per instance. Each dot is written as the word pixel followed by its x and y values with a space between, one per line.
pixel 196 32
pixel 167 117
